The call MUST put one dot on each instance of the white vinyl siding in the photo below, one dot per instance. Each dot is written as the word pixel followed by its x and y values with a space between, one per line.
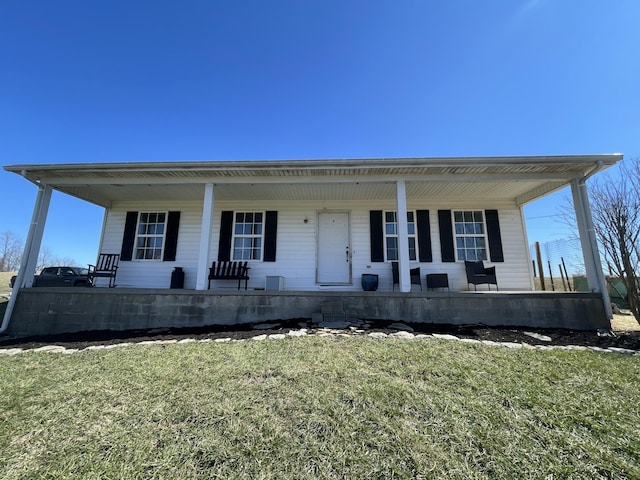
pixel 296 245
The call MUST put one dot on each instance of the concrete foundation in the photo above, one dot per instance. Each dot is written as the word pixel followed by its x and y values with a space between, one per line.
pixel 44 311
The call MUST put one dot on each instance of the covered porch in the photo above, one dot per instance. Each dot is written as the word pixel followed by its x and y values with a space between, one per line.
pixel 306 193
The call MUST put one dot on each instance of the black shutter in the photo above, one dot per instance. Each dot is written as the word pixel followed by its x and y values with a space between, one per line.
pixel 447 247
pixel 171 245
pixel 376 233
pixel 270 235
pixel 493 234
pixel 424 236
pixel 129 237
pixel 226 232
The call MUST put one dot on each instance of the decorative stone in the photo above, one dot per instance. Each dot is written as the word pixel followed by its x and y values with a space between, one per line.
pixel 118 345
pixel 538 336
pixel 298 333
pixel 622 350
pixel 259 337
pixel 266 326
pixel 10 351
pixel 603 332
pixel 50 348
pixel 377 335
pixel 511 344
pixel 444 336
pixel 403 335
pixel 598 349
pixel 400 326
pixel 277 336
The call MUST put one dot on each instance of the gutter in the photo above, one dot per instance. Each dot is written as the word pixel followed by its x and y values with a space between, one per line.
pixel 598 166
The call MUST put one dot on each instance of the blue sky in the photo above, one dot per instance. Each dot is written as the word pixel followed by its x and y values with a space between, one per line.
pixel 289 79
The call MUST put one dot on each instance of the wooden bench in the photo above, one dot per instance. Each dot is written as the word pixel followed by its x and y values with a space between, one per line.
pixel 105 267
pixel 229 271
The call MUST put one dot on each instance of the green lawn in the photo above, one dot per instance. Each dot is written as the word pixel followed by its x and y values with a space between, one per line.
pixel 319 408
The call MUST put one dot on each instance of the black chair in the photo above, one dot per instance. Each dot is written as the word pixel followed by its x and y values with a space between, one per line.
pixel 414 273
pixel 477 274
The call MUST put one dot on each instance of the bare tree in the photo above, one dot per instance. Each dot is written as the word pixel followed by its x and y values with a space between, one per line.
pixel 10 251
pixel 45 258
pixel 615 204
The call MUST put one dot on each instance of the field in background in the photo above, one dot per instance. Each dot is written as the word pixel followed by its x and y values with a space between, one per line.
pixel 5 277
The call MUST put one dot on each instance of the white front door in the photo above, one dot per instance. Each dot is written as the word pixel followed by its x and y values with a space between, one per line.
pixel 334 252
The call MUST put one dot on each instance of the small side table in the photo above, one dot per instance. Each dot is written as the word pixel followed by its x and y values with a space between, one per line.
pixel 438 280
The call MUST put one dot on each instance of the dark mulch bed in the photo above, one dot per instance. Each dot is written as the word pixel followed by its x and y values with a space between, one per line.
pixel 628 340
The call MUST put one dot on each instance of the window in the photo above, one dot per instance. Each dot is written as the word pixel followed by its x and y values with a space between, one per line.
pixel 391 235
pixel 248 235
pixel 471 242
pixel 150 235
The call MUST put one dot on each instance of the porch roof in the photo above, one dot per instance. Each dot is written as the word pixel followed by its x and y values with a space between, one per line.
pixel 520 179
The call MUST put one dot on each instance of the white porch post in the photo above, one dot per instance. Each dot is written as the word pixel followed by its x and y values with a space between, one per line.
pixel 34 237
pixel 31 250
pixel 204 256
pixel 593 266
pixel 403 236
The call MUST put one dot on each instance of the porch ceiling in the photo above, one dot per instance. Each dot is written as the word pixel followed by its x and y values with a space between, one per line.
pixel 518 179
pixel 503 191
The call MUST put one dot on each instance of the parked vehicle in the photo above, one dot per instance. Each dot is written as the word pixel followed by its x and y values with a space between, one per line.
pixel 60 277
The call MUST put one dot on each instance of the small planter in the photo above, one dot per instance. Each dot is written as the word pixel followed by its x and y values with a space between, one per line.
pixel 369 282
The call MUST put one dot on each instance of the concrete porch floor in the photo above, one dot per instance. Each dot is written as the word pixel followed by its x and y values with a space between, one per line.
pixel 43 311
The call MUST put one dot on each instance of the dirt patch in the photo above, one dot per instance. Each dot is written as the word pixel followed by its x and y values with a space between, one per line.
pixel 531 336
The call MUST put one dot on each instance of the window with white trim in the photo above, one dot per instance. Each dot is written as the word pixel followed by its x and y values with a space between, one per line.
pixel 391 235
pixel 248 235
pixel 150 235
pixel 470 232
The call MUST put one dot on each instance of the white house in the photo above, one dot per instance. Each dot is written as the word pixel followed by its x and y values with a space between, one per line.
pixel 319 224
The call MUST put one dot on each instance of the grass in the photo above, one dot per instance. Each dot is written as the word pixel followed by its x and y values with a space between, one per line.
pixel 319 408
pixel 5 278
